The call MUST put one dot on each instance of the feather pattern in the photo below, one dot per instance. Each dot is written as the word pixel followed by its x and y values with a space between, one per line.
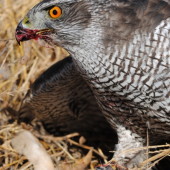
pixel 122 49
pixel 63 102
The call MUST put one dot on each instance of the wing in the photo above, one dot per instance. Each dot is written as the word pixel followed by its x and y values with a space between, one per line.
pixel 63 102
pixel 129 71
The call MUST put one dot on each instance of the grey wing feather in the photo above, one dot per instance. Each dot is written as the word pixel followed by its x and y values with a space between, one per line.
pixel 63 102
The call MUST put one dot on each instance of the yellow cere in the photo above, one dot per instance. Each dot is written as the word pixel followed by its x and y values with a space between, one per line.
pixel 26 22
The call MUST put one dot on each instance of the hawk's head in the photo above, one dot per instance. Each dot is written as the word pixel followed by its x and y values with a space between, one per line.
pixel 55 21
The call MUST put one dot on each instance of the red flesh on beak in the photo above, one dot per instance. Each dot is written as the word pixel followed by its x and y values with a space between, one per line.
pixel 24 34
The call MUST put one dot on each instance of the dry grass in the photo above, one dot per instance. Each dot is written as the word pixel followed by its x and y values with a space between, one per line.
pixel 15 80
pixel 14 77
pixel 56 147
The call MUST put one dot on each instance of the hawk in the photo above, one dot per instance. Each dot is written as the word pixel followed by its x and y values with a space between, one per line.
pixel 121 48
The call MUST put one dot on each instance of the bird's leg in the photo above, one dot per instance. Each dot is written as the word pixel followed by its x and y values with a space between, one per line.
pixel 126 141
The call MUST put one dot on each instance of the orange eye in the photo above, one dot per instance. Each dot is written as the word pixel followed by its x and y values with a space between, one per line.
pixel 55 12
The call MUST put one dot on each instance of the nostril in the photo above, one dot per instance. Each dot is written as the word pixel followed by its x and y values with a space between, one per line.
pixel 27 22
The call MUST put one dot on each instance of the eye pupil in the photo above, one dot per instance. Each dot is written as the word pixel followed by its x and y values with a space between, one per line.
pixel 55 12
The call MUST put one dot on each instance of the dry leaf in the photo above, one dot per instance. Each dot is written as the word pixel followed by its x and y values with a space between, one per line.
pixel 27 144
pixel 44 144
pixel 82 140
pixel 79 164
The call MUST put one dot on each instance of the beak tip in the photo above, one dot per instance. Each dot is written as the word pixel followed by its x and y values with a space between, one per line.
pixel 18 32
pixel 18 41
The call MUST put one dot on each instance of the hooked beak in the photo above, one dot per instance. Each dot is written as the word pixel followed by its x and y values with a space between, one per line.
pixel 24 34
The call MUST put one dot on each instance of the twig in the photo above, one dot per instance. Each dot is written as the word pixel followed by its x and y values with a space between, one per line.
pixel 64 149
pixel 6 166
pixel 8 149
pixel 56 138
pixel 7 39
pixel 100 151
pixel 165 153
